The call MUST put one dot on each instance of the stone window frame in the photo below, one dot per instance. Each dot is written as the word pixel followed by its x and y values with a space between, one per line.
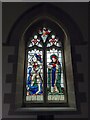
pixel 69 76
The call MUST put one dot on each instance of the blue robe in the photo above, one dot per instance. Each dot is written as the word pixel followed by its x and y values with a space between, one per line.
pixel 32 89
pixel 52 77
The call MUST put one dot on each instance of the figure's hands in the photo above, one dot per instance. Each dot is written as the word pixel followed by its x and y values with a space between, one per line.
pixel 27 93
pixel 50 66
pixel 54 65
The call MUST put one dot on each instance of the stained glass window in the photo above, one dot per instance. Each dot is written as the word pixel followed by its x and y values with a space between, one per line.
pixel 35 41
pixel 44 62
pixel 34 82
pixel 53 41
pixel 55 84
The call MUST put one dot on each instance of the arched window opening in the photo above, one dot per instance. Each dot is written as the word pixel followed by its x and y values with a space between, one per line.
pixel 45 77
pixel 45 66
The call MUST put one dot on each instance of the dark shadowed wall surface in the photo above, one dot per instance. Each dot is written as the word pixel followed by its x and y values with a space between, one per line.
pixel 79 14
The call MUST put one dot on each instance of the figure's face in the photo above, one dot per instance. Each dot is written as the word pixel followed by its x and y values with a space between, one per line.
pixel 53 36
pixel 54 59
pixel 35 36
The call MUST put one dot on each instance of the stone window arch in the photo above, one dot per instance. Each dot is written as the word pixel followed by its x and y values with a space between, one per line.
pixel 19 38
pixel 63 35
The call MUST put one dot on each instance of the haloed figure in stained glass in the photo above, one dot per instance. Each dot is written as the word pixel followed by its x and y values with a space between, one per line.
pixel 44 33
pixel 54 75
pixel 35 80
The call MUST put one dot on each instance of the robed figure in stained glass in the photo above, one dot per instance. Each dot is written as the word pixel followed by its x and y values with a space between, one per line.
pixel 44 33
pixel 34 82
pixel 54 75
